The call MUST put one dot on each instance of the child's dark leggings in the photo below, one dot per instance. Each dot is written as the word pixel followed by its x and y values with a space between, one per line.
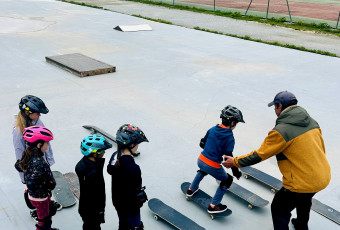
pixel 91 224
pixel 43 211
pixel 127 223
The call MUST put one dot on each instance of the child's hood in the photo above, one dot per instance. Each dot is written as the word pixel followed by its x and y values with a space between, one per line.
pixel 221 132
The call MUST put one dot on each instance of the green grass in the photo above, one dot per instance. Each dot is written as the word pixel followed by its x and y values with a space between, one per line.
pixel 322 27
pixel 151 19
pixel 300 25
pixel 271 43
pixel 82 4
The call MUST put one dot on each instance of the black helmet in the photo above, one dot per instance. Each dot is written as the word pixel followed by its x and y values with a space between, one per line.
pixel 32 104
pixel 129 134
pixel 232 113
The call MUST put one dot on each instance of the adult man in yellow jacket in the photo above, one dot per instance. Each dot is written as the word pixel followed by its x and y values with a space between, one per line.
pixel 297 143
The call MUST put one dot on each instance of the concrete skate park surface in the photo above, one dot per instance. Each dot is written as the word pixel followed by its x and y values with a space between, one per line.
pixel 172 82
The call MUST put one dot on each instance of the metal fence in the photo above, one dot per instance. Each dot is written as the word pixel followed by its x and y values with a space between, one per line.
pixel 308 11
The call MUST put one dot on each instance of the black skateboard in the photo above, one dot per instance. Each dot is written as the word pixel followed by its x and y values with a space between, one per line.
pixel 73 183
pixel 276 185
pixel 326 211
pixel 170 215
pixel 95 129
pixel 252 199
pixel 271 181
pixel 62 193
pixel 203 200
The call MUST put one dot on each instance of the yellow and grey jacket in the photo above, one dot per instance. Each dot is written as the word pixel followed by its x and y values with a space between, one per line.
pixel 297 143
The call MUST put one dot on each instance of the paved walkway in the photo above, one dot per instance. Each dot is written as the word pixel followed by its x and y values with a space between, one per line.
pixel 307 39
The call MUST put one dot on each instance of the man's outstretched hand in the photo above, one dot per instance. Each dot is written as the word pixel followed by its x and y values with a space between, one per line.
pixel 229 162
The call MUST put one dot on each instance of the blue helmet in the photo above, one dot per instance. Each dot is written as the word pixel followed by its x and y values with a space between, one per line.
pixel 94 144
pixel 129 134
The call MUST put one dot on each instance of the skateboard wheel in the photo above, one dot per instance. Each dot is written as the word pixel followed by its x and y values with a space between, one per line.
pixel 212 217
pixel 156 217
pixel 187 198
pixel 246 176
pixel 273 190
pixel 250 206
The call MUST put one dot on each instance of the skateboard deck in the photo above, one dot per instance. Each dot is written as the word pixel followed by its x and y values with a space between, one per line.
pixel 95 129
pixel 271 181
pixel 326 211
pixel 62 193
pixel 252 199
pixel 203 200
pixel 276 185
pixel 73 183
pixel 170 215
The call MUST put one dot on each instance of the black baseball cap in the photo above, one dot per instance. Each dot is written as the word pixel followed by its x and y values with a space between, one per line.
pixel 285 98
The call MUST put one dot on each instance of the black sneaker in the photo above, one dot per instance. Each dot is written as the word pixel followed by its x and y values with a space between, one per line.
pixel 190 192
pixel 34 215
pixel 296 224
pixel 218 208
pixel 59 206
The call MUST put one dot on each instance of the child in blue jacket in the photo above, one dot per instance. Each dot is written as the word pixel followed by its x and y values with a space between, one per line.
pixel 218 141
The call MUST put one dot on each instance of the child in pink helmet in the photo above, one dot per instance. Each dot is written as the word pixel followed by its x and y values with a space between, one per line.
pixel 37 174
pixel 30 109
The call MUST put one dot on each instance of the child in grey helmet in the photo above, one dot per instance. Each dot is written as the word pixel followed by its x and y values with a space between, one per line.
pixel 218 141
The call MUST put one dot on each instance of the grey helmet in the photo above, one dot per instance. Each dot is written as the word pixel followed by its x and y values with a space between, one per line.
pixel 231 113
pixel 32 104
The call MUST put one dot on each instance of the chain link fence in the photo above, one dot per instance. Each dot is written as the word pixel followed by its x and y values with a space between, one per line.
pixel 325 12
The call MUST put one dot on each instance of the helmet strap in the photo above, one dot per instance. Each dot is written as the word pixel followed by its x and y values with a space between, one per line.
pixel 136 154
pixel 27 118
pixel 233 124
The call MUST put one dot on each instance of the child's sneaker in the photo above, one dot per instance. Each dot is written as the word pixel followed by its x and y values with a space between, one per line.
pixel 296 224
pixel 217 209
pixel 34 215
pixel 190 192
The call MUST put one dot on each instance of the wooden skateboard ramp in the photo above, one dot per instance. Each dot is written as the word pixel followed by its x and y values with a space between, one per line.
pixel 80 64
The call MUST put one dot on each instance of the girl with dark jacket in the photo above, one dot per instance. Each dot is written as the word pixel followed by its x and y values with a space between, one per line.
pixel 128 194
pixel 37 173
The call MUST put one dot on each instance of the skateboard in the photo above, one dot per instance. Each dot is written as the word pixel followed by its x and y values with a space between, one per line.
pixel 170 215
pixel 326 211
pixel 95 129
pixel 252 199
pixel 203 200
pixel 73 183
pixel 272 182
pixel 62 193
pixel 276 185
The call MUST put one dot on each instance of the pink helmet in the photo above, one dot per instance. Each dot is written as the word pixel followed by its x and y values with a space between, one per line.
pixel 35 133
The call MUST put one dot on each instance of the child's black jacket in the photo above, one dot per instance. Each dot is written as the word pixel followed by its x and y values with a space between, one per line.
pixel 92 187
pixel 126 183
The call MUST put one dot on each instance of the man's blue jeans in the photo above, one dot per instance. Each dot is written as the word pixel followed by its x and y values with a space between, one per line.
pixel 217 173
